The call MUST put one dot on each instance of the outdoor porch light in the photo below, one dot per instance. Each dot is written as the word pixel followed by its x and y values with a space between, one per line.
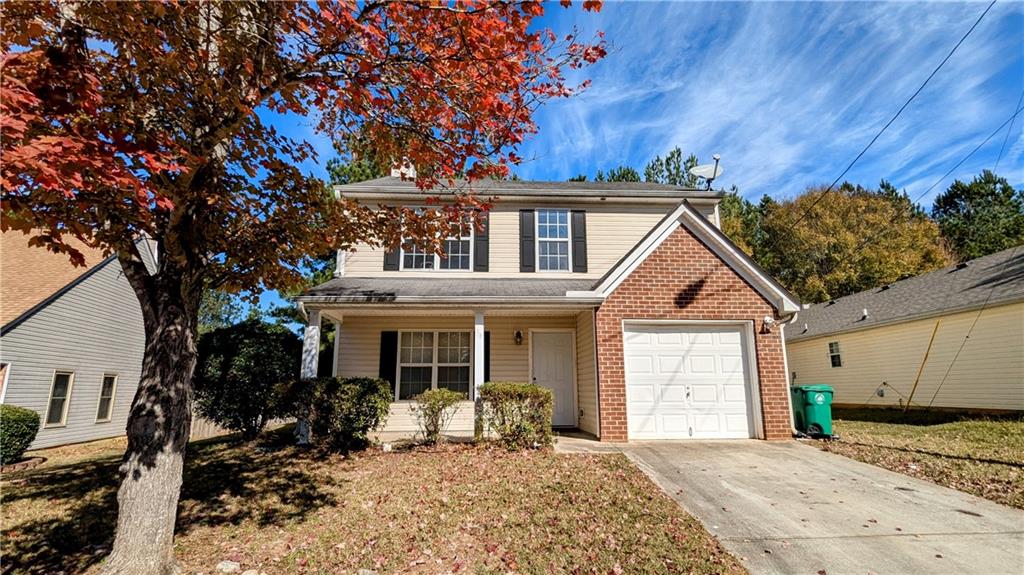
pixel 518 337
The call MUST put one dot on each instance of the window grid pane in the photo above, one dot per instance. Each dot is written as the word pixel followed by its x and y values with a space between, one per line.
pixel 415 258
pixel 553 255
pixel 104 410
pixel 457 252
pixel 454 378
pixel 415 380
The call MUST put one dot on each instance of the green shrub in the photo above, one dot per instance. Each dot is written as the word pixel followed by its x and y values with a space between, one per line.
pixel 18 428
pixel 519 413
pixel 434 410
pixel 340 412
pixel 238 370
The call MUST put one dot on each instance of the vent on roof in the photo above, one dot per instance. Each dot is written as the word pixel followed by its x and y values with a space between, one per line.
pixel 831 302
pixel 805 328
pixel 864 314
pixel 885 287
pixel 961 265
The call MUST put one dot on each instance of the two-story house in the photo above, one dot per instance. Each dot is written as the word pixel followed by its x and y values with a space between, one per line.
pixel 625 299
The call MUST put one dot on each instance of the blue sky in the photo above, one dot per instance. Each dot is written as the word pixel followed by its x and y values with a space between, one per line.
pixel 787 93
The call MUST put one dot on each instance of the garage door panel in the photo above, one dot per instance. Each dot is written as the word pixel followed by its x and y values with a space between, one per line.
pixel 642 393
pixel 640 364
pixel 702 364
pixel 676 424
pixel 673 393
pixel 734 393
pixel 686 382
pixel 704 394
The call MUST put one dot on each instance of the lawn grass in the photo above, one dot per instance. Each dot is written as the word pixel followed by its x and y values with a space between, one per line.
pixel 455 508
pixel 982 456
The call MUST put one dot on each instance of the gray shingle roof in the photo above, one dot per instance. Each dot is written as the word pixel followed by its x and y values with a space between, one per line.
pixel 369 290
pixel 996 278
pixel 397 186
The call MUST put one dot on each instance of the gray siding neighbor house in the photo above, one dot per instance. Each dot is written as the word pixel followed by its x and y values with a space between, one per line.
pixel 71 343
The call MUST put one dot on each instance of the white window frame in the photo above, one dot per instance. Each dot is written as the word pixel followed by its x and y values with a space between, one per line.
pixel 537 239
pixel 67 398
pixel 113 395
pixel 437 258
pixel 838 353
pixel 434 364
pixel 7 378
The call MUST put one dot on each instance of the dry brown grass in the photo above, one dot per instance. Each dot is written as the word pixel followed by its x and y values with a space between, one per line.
pixel 454 508
pixel 981 456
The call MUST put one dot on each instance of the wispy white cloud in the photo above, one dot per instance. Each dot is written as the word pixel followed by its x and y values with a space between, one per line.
pixel 788 93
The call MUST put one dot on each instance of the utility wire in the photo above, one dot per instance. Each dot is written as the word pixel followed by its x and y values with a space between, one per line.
pixel 1008 132
pixel 963 343
pixel 821 196
pixel 884 230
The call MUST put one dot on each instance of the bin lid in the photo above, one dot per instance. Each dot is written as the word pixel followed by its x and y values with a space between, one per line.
pixel 819 387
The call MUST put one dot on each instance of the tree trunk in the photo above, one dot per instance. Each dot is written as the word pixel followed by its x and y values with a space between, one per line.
pixel 158 431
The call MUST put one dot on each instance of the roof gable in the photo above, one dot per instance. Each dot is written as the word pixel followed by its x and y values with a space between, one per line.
pixel 31 275
pixel 686 216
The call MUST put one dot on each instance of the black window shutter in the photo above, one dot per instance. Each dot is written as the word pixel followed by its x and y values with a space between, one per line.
pixel 579 241
pixel 391 258
pixel 527 259
pixel 487 356
pixel 480 244
pixel 389 356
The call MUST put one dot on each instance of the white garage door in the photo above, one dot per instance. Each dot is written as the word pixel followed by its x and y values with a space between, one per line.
pixel 687 382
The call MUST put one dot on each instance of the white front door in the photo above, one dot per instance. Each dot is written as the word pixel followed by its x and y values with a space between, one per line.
pixel 687 382
pixel 552 368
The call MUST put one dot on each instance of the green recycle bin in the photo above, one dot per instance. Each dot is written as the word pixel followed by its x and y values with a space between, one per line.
pixel 812 409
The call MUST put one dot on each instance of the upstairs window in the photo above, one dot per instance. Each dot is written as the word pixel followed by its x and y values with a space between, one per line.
pixel 458 253
pixel 106 403
pixel 833 354
pixel 553 240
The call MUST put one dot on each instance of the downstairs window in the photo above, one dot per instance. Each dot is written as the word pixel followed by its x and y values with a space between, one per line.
pixel 433 360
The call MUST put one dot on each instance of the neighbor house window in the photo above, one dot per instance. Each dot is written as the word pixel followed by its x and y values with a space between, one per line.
pixel 458 253
pixel 60 397
pixel 106 405
pixel 834 355
pixel 433 360
pixel 553 240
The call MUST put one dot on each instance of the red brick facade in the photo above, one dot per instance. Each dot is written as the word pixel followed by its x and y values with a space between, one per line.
pixel 683 279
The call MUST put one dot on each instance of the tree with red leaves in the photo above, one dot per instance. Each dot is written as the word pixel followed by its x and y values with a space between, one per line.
pixel 150 119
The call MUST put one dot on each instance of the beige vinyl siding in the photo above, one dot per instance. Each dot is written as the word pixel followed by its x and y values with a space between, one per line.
pixel 586 372
pixel 988 374
pixel 359 356
pixel 611 232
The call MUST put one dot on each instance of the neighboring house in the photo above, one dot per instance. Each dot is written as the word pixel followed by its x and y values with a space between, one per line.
pixel 871 346
pixel 72 340
pixel 625 299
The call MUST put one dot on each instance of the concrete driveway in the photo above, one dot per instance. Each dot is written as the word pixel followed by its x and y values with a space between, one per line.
pixel 790 508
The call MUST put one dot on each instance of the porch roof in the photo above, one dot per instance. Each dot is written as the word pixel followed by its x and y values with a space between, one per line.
pixel 444 290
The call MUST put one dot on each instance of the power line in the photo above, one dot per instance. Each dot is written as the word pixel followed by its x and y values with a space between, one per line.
pixel 963 343
pixel 821 196
pixel 1008 132
pixel 913 202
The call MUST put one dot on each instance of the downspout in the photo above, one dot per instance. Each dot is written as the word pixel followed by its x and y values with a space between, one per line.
pixel 785 365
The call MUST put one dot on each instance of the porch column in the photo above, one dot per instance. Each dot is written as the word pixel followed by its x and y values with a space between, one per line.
pixel 478 352
pixel 337 346
pixel 309 366
pixel 311 345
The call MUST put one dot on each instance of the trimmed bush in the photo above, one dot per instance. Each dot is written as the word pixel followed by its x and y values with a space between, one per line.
pixel 238 371
pixel 519 413
pixel 340 412
pixel 18 428
pixel 434 410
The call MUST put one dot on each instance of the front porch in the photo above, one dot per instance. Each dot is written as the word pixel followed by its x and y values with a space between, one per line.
pixel 460 349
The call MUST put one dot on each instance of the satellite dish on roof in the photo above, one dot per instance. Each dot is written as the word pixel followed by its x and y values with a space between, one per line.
pixel 708 172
